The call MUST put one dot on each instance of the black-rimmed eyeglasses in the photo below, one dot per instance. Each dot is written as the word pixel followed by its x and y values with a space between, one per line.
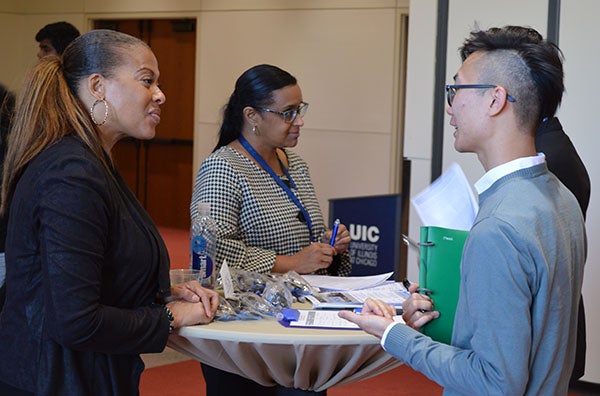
pixel 451 91
pixel 289 115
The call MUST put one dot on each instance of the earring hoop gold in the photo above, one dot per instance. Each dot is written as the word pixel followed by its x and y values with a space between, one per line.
pixel 103 101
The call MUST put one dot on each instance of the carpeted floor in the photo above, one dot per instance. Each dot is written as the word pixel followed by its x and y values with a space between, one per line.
pixel 185 379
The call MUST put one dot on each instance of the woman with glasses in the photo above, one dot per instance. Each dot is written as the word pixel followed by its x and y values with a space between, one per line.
pixel 261 195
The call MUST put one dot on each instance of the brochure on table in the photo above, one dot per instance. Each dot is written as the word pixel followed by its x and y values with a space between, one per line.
pixel 353 291
pixel 392 293
pixel 317 319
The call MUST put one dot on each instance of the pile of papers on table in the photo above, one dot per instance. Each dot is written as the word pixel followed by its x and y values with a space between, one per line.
pixel 351 292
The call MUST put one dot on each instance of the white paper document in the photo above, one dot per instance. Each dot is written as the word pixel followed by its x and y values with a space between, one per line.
pixel 448 202
pixel 322 319
pixel 393 293
pixel 319 319
pixel 346 282
pixel 228 289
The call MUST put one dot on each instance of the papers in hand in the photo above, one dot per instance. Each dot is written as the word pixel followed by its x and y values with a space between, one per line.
pixel 448 202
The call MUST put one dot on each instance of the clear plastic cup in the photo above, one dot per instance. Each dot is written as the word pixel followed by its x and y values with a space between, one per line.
pixel 184 275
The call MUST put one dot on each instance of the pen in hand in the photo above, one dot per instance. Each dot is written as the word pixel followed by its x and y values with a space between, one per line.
pixel 420 290
pixel 336 224
pixel 427 292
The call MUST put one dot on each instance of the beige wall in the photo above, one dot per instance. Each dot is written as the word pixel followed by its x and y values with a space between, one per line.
pixel 343 52
pixel 344 62
pixel 579 114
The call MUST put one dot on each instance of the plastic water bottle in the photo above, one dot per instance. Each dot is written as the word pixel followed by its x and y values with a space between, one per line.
pixel 203 245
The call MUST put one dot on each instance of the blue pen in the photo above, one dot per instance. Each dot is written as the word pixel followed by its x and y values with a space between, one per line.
pixel 336 224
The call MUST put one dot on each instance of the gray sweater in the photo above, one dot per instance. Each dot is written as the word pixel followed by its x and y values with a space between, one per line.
pixel 521 276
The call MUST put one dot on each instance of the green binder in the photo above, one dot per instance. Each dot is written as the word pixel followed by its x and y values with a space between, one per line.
pixel 439 272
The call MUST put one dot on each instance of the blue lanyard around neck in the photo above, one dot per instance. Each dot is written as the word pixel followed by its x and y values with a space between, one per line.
pixel 277 179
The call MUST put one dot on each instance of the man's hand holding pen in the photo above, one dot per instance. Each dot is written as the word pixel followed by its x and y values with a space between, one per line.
pixel 376 315
pixel 417 309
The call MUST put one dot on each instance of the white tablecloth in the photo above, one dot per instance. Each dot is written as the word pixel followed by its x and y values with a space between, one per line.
pixel 270 354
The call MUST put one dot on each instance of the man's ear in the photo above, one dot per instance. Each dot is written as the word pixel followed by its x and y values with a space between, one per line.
pixel 499 100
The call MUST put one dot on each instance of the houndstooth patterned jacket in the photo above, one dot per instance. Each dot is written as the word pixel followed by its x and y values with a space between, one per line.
pixel 256 220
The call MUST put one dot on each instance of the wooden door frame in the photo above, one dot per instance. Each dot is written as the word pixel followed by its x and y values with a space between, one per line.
pixel 174 137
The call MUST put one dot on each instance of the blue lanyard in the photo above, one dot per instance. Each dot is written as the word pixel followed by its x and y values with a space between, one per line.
pixel 277 179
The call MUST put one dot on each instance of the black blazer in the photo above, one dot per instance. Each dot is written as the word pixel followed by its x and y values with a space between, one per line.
pixel 563 160
pixel 85 266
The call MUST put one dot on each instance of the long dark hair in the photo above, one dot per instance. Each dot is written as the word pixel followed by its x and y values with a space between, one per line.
pixel 253 88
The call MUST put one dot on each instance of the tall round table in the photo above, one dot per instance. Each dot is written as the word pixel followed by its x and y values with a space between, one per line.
pixel 270 354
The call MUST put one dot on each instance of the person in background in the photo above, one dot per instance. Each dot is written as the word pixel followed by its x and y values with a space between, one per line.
pixel 7 107
pixel 523 261
pixel 87 280
pixel 54 38
pixel 564 161
pixel 262 198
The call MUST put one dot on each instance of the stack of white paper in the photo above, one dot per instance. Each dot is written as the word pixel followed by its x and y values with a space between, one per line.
pixel 448 202
pixel 345 282
pixel 393 293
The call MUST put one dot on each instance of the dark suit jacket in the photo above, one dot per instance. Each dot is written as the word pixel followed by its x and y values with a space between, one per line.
pixel 563 160
pixel 86 265
pixel 565 163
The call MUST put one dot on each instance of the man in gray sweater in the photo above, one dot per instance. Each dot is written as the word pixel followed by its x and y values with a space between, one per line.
pixel 522 265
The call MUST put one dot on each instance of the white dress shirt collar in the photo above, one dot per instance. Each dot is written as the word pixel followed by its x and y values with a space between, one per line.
pixel 496 173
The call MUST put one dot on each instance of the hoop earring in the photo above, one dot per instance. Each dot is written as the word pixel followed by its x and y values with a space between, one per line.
pixel 105 111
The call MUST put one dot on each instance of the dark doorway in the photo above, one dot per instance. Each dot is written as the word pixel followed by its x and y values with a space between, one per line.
pixel 159 171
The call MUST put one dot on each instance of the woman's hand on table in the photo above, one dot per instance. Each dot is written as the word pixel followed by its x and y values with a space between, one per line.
pixel 194 304
pixel 417 310
pixel 342 239
pixel 190 291
pixel 374 318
